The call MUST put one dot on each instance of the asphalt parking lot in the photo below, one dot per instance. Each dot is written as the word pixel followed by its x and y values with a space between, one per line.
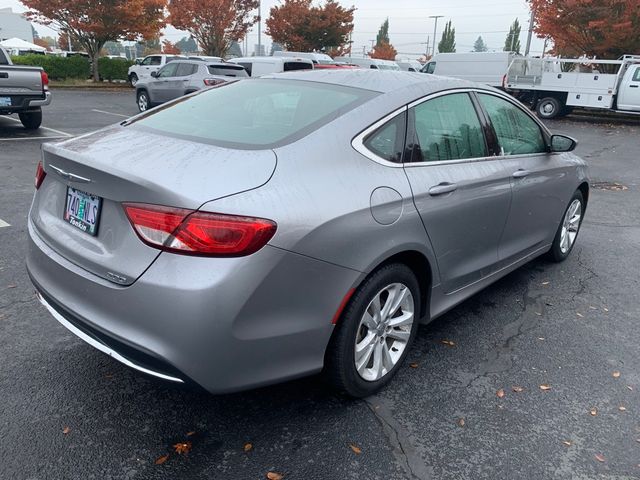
pixel 68 411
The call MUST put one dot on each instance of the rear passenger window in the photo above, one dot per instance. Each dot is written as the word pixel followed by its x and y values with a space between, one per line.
pixel 517 132
pixel 154 61
pixel 387 142
pixel 447 128
pixel 185 69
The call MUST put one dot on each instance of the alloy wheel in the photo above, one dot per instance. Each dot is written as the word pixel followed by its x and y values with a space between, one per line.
pixel 143 102
pixel 384 331
pixel 570 225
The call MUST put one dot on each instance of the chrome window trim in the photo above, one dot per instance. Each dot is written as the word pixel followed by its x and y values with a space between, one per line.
pixel 358 141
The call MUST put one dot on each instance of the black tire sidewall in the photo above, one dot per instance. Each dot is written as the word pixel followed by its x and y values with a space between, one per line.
pixel 340 361
pixel 555 253
pixel 31 120
pixel 556 111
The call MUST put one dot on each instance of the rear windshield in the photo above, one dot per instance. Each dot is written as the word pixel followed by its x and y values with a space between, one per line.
pixel 254 113
pixel 291 66
pixel 227 70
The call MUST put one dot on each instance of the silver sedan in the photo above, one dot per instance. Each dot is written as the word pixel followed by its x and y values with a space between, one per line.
pixel 278 227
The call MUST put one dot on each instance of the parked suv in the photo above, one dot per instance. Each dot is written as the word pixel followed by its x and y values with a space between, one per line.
pixel 150 63
pixel 182 77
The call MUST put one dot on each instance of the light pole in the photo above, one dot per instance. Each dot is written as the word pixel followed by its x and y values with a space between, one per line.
pixel 435 31
pixel 259 27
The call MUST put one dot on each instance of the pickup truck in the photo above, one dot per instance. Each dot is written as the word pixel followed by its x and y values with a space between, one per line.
pixel 23 90
pixel 151 63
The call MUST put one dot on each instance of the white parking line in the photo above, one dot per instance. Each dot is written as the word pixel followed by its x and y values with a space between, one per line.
pixel 52 137
pixel 3 223
pixel 44 128
pixel 110 113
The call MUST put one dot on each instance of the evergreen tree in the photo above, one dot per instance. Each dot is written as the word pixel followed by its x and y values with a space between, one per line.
pixel 187 45
pixel 448 42
pixel 276 47
pixel 234 50
pixel 512 42
pixel 383 33
pixel 479 45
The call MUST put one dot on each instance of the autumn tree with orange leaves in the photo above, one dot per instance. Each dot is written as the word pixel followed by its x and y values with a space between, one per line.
pixel 384 51
pixel 214 24
pixel 170 48
pixel 601 28
pixel 300 26
pixel 91 24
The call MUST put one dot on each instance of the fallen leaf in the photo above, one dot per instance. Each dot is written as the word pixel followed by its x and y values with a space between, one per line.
pixel 622 408
pixel 413 365
pixel 630 387
pixel 545 283
pixel 538 314
pixel 593 411
pixel 11 286
pixel 544 387
pixel 567 443
pixel 275 476
pixel 461 422
pixel 599 457
pixel 109 375
pixel 355 449
pixel 190 434
pixel 606 309
pixel 66 430
pixel 579 314
pixel 247 447
pixel 182 447
pixel 616 374
pixel 162 459
pixel 540 338
pixel 500 393
pixel 448 343
pixel 517 389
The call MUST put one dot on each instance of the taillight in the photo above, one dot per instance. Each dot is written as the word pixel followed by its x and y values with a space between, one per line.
pixel 45 80
pixel 212 82
pixel 191 232
pixel 40 174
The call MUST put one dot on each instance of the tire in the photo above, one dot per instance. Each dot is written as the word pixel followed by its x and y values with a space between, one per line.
pixel 563 242
pixel 133 79
pixel 396 281
pixel 548 107
pixel 142 99
pixel 31 120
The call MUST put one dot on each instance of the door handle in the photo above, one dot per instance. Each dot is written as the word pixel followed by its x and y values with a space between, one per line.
pixel 633 86
pixel 521 173
pixel 442 188
pixel 4 75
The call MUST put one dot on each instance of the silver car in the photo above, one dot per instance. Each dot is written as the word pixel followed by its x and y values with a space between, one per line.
pixel 181 77
pixel 287 225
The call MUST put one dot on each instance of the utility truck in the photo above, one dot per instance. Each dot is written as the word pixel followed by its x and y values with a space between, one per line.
pixel 555 86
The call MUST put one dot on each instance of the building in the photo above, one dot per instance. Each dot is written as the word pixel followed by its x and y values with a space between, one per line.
pixel 14 25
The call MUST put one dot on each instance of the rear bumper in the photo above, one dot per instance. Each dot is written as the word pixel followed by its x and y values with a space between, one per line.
pixel 41 102
pixel 224 324
pixel 23 103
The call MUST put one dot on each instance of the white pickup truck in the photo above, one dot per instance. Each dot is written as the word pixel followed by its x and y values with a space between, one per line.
pixel 151 63
pixel 554 87
pixel 23 90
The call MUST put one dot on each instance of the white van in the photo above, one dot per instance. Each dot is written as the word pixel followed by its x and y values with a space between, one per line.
pixel 481 67
pixel 409 65
pixel 372 63
pixel 316 58
pixel 258 66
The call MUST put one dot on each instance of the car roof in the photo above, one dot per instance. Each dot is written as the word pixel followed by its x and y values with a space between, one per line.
pixel 384 81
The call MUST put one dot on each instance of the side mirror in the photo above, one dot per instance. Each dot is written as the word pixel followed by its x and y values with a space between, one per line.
pixel 562 143
pixel 154 74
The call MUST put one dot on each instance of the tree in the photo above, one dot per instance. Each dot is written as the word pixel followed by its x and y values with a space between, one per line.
pixel 170 48
pixel 151 46
pixel 479 45
pixel 512 42
pixel 383 34
pixel 92 23
pixel 384 51
pixel 276 47
pixel 187 45
pixel 235 50
pixel 41 43
pixel 448 42
pixel 600 28
pixel 299 26
pixel 214 24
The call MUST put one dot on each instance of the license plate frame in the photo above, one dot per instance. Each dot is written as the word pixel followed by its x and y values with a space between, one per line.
pixel 5 102
pixel 74 213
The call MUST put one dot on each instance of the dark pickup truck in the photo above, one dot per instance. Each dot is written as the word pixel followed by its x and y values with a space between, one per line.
pixel 23 90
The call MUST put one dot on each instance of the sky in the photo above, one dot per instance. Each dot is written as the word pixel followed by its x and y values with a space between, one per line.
pixel 409 24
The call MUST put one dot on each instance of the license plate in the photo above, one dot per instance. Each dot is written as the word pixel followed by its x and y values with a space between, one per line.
pixel 5 101
pixel 82 210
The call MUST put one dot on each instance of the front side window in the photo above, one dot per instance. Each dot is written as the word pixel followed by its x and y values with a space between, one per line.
pixel 168 70
pixel 146 61
pixel 430 67
pixel 387 141
pixel 636 76
pixel 254 114
pixel 517 132
pixel 447 128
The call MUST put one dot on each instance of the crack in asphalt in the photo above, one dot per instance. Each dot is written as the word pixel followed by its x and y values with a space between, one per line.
pixel 411 462
pixel 604 224
pixel 15 302
pixel 582 281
